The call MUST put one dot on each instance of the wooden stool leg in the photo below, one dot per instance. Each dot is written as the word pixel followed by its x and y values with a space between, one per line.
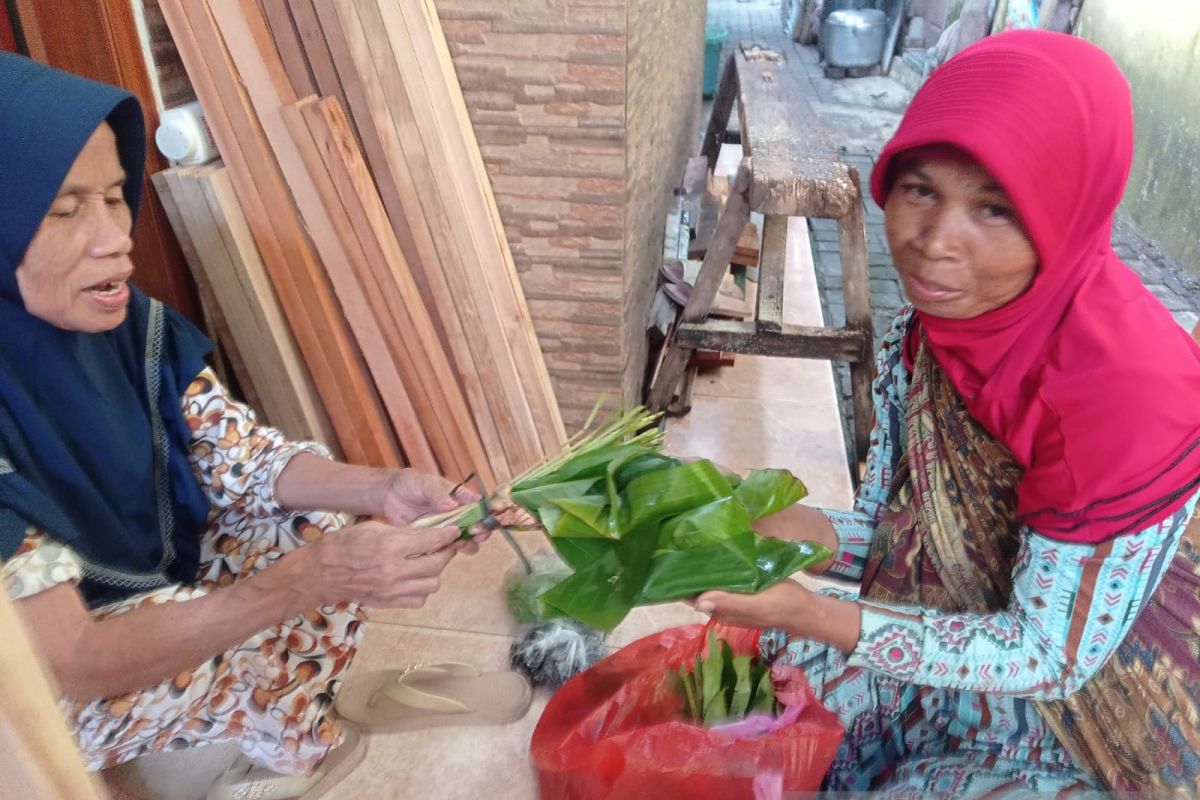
pixel 718 119
pixel 771 268
pixel 856 286
pixel 708 283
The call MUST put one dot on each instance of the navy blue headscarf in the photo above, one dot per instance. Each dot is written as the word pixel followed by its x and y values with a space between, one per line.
pixel 93 442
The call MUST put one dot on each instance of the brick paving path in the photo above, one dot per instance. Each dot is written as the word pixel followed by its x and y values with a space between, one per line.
pixel 860 131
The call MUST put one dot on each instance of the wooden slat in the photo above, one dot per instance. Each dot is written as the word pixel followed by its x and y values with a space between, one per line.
pixel 432 53
pixel 771 273
pixel 856 289
pixel 372 132
pixel 303 289
pixel 270 93
pixel 451 298
pixel 720 250
pixel 315 48
pixel 793 341
pixel 435 391
pixel 345 262
pixel 240 285
pixel 722 107
pixel 716 262
pixel 226 356
pixel 287 42
pixel 470 298
pixel 277 349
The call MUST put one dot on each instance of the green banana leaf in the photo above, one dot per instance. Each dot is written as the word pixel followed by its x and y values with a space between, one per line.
pixel 593 512
pixel 666 492
pixel 745 563
pixel 730 565
pixel 638 527
pixel 710 523
pixel 592 464
pixel 776 559
pixel 560 524
pixel 768 491
pixel 648 461
pixel 579 553
pixel 601 593
pixel 534 497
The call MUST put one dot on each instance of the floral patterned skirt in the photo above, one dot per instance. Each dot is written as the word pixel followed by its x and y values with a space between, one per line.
pixel 272 694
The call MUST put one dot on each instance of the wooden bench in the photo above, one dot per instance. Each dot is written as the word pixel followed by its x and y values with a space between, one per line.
pixel 789 168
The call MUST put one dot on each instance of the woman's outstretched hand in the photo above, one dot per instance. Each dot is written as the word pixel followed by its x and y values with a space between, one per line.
pixel 788 606
pixel 779 606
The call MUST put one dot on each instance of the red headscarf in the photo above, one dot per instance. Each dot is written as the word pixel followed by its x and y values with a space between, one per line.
pixel 1085 377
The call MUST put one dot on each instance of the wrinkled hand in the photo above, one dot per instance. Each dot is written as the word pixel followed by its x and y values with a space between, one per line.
pixel 411 494
pixel 780 606
pixel 381 565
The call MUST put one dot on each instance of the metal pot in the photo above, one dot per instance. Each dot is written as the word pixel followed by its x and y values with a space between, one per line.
pixel 854 38
pixel 831 6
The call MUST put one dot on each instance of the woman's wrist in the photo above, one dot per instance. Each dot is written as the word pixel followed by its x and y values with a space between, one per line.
pixel 831 620
pixel 310 481
pixel 801 523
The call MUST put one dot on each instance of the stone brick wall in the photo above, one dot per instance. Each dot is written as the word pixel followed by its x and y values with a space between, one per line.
pixel 544 81
pixel 664 78
pixel 580 106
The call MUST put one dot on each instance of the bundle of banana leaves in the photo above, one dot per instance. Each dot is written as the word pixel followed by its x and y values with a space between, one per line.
pixel 638 527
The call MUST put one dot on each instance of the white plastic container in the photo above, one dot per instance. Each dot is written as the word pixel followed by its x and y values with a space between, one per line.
pixel 183 137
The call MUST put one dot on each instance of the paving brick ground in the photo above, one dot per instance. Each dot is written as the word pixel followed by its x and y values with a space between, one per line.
pixel 860 115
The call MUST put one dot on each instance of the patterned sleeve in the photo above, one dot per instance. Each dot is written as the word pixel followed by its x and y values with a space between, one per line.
pixel 40 563
pixel 890 389
pixel 235 458
pixel 1071 606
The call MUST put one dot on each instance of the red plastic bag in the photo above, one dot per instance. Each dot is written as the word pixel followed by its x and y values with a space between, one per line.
pixel 616 731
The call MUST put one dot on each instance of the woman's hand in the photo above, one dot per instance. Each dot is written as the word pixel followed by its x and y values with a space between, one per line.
pixel 787 605
pixel 377 564
pixel 409 495
pixel 801 523
pixel 779 606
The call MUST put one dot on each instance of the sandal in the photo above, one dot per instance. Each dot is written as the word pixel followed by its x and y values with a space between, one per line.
pixel 432 695
pixel 244 779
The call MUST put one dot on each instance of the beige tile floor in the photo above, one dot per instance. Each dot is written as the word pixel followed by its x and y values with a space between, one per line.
pixel 760 412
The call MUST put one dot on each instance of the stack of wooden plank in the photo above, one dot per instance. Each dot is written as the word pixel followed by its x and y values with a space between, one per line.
pixel 391 269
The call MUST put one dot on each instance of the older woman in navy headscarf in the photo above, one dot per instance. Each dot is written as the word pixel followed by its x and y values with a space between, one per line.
pixel 130 482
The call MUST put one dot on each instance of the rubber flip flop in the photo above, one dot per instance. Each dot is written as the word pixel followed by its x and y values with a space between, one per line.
pixel 432 695
pixel 672 271
pixel 244 779
pixel 681 293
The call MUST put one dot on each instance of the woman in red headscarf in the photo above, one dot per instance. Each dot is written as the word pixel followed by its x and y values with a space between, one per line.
pixel 1029 615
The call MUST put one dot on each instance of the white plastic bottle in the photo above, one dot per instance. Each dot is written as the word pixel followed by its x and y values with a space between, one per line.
pixel 183 137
